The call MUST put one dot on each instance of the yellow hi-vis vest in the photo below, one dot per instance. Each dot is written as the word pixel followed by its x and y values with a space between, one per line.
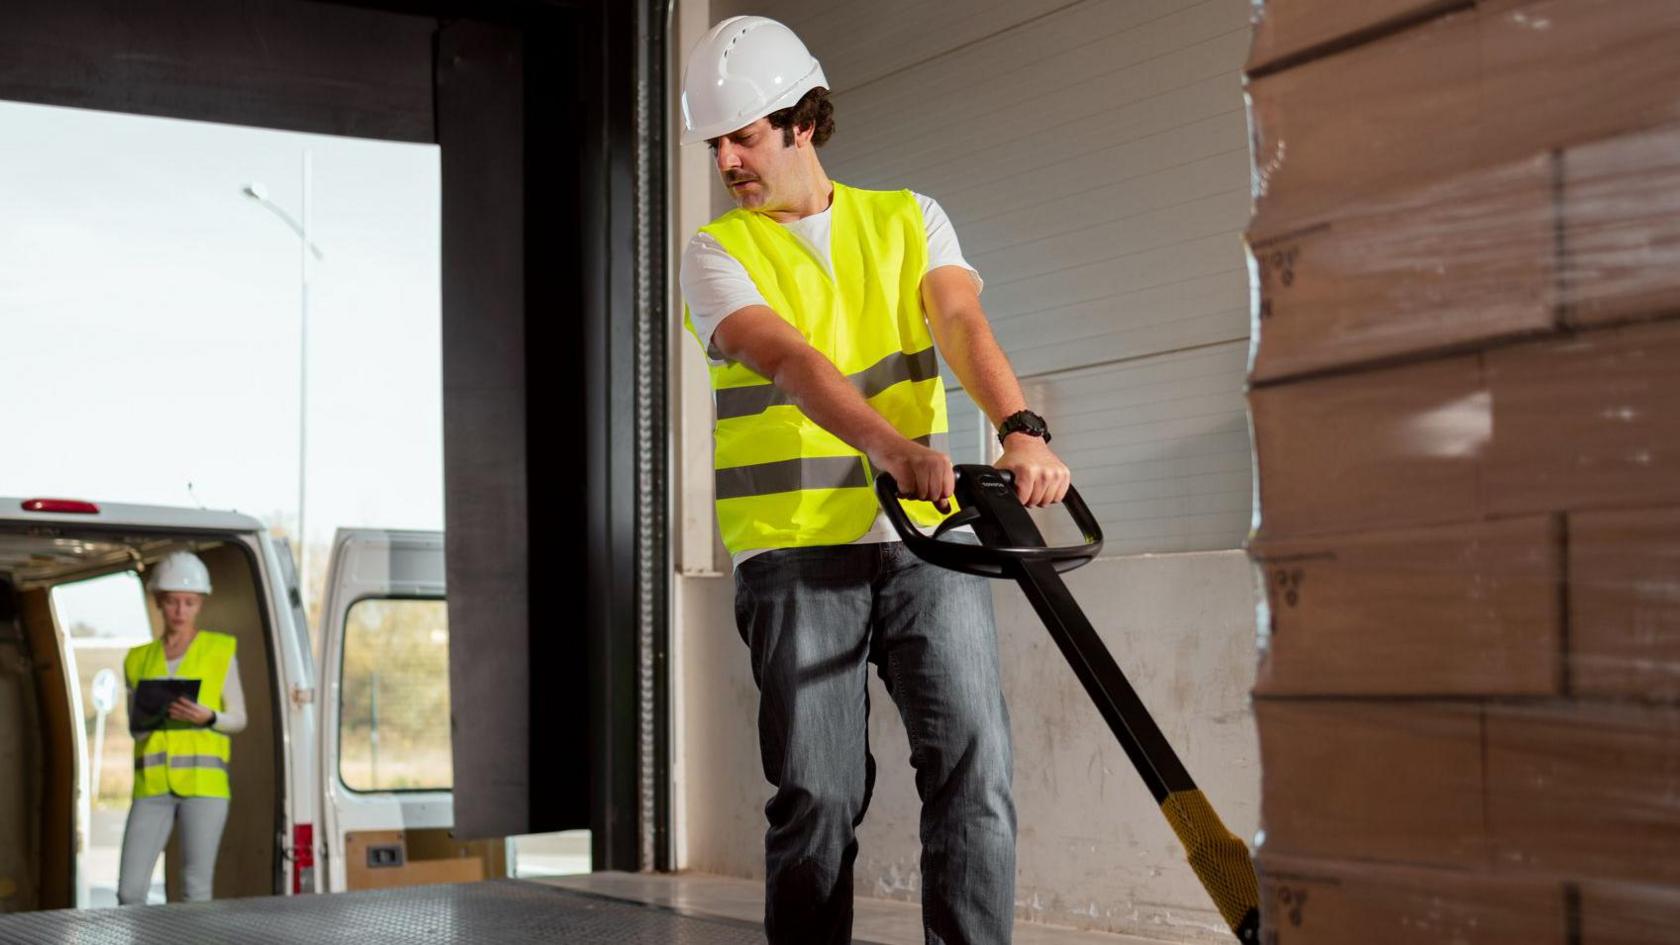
pixel 182 758
pixel 783 481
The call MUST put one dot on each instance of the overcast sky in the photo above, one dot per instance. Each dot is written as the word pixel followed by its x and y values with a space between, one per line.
pixel 151 312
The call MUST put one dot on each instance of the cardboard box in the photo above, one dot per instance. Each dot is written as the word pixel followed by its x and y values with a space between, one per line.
pixel 1624 603
pixel 1333 902
pixel 1589 422
pixel 1333 132
pixel 440 844
pixel 1621 228
pixel 1628 914
pixel 394 867
pixel 1388 781
pixel 1458 610
pixel 1291 31
pixel 1391 447
pixel 1584 790
pixel 420 873
pixel 1469 90
pixel 1576 423
pixel 1557 790
pixel 1469 260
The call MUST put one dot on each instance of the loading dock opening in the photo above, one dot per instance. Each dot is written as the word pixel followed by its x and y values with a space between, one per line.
pixel 549 186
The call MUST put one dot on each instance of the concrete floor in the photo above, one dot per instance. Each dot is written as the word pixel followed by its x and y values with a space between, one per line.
pixel 878 921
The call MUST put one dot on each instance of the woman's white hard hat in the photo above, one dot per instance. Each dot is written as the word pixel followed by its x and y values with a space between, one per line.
pixel 743 69
pixel 179 571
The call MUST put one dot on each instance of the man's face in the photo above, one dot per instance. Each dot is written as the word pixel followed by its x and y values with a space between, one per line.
pixel 757 168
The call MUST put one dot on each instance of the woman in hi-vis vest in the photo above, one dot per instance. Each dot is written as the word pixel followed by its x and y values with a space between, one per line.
pixel 181 747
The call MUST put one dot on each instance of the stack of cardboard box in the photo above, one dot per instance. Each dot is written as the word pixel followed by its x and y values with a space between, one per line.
pixel 1465 397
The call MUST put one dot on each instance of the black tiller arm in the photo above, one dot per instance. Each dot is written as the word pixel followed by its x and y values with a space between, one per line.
pixel 1012 547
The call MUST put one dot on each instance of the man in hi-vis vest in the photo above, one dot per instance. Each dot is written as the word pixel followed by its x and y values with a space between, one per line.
pixel 819 307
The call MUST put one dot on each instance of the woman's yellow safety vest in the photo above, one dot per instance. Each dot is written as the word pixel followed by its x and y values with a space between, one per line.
pixel 182 758
pixel 782 481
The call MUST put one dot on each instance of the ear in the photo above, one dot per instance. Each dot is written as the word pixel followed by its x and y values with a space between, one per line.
pixel 802 135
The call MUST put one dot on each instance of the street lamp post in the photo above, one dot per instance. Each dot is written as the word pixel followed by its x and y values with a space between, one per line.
pixel 256 191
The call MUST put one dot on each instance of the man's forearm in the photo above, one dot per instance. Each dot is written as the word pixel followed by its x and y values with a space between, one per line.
pixel 966 341
pixel 822 393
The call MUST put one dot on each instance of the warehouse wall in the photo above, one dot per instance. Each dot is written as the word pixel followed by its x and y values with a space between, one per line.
pixel 1093 158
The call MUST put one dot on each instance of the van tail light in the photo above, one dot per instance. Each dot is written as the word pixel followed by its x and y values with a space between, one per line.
pixel 303 858
pixel 75 506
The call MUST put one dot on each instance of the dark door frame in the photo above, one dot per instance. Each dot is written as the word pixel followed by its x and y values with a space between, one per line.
pixel 551 116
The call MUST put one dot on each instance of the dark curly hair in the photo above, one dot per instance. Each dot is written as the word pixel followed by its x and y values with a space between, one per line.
pixel 813 110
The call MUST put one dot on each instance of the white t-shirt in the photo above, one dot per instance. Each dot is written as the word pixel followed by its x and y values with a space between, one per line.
pixel 715 285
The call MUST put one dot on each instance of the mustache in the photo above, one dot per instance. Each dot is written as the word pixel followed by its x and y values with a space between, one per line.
pixel 732 177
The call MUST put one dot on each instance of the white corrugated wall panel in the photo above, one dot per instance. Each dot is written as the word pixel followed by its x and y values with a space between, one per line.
pixel 876 38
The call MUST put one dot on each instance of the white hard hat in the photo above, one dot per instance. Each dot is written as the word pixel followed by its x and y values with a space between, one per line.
pixel 180 571
pixel 743 69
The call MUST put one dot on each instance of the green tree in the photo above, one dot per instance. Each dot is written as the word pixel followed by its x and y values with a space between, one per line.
pixel 394 724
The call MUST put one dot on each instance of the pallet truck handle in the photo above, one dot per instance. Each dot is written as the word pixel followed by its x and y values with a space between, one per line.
pixel 1218 857
pixel 980 488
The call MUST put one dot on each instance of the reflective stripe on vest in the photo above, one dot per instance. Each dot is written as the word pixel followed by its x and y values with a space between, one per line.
pixel 182 758
pixel 197 761
pixel 790 475
pixel 782 480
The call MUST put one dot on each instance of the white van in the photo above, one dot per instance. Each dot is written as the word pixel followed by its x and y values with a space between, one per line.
pixel 341 779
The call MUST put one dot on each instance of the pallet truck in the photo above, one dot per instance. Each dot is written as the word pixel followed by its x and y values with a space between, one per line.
pixel 1011 547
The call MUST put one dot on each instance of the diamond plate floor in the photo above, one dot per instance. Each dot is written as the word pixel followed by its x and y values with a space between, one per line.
pixel 498 912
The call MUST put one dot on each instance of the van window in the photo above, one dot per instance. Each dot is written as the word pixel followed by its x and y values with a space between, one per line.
pixel 393 731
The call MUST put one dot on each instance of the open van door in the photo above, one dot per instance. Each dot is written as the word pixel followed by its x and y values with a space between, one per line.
pixel 386 761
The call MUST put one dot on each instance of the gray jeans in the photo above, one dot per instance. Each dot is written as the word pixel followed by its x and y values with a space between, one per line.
pixel 814 618
pixel 149 822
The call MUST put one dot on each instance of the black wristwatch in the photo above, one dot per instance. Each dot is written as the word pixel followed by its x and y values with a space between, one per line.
pixel 1024 421
pixel 212 721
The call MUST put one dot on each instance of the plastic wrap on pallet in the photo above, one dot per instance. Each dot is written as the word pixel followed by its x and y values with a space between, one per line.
pixel 1289 31
pixel 1465 403
pixel 1573 422
pixel 1469 821
pixel 1493 172
pixel 1577 237
pixel 1314 901
pixel 1619 227
pixel 1451 264
pixel 1473 89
